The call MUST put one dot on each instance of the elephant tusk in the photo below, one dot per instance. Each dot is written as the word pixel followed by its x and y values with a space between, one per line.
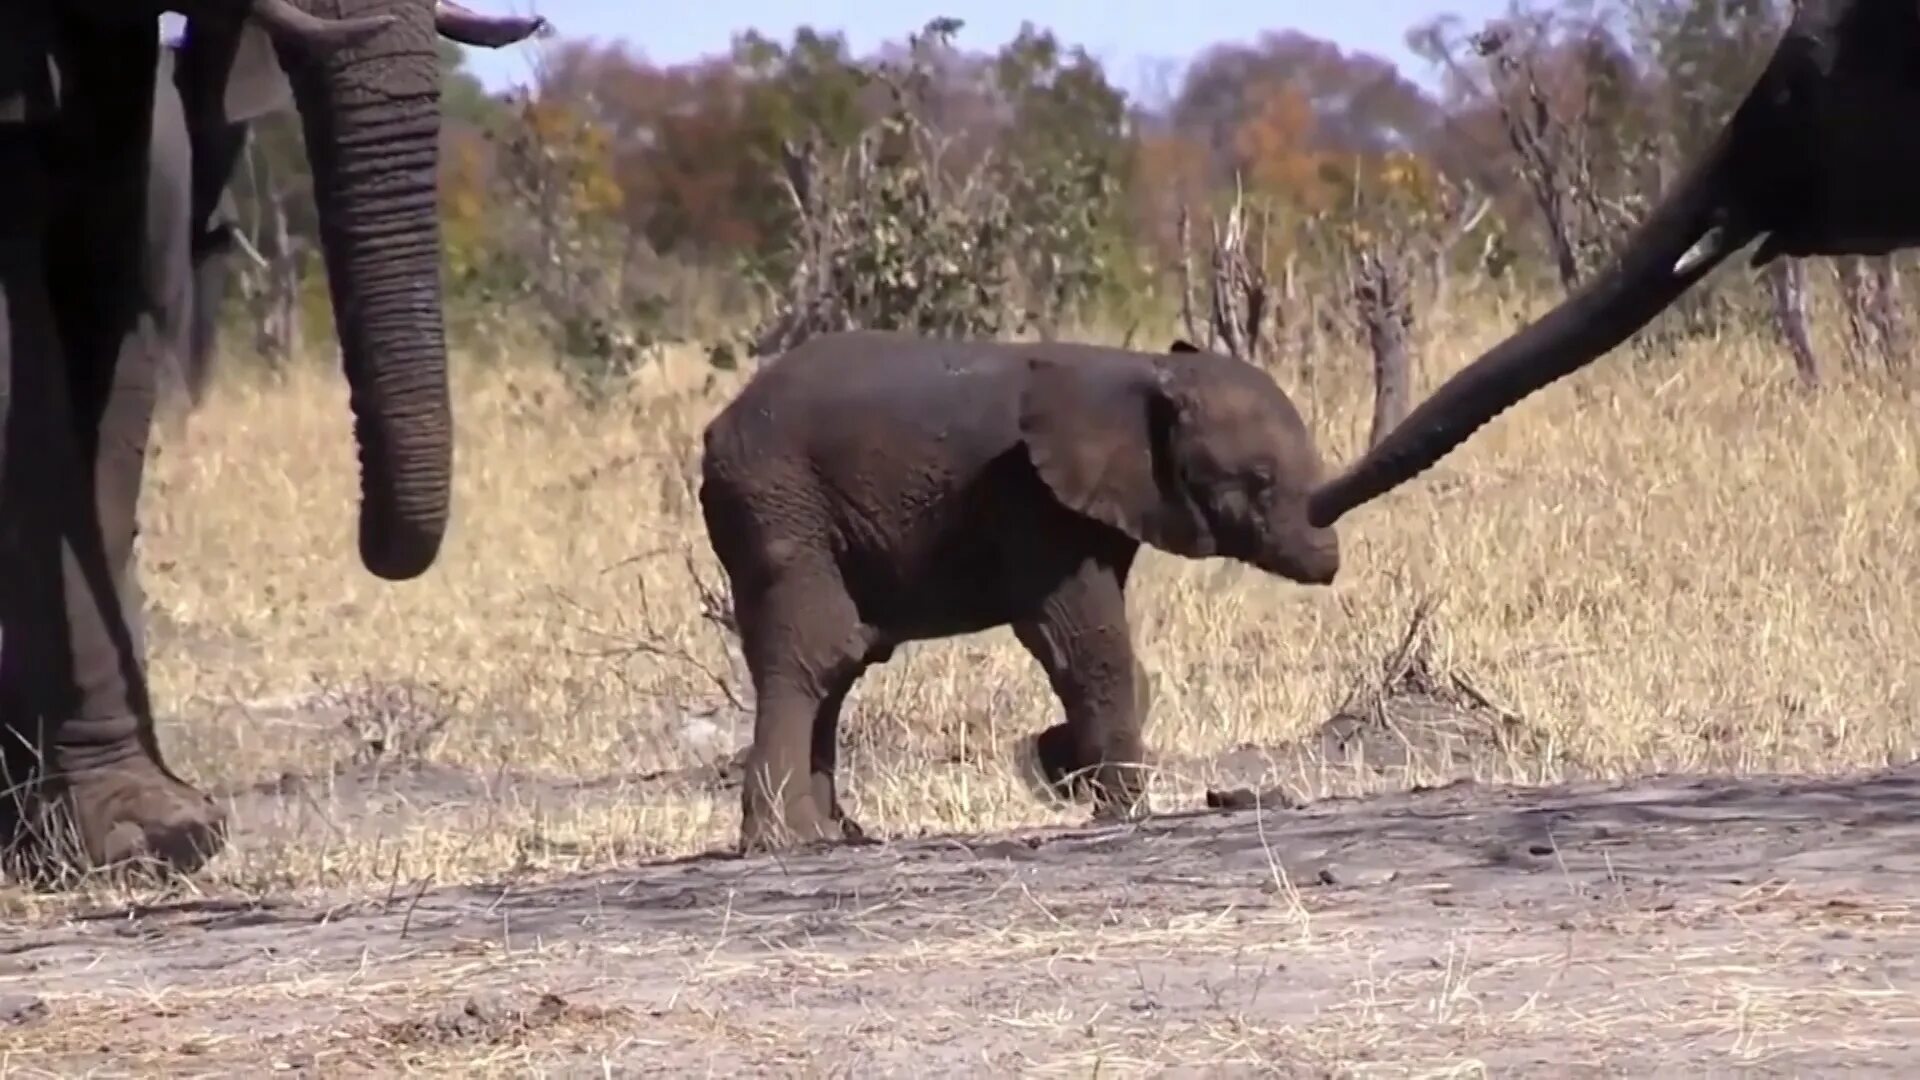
pixel 286 21
pixel 1705 251
pixel 247 248
pixel 469 27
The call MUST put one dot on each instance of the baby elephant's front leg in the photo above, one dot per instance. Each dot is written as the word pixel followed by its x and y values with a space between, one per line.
pixel 1081 639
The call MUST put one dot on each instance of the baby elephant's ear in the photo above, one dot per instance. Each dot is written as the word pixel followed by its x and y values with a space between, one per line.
pixel 1102 436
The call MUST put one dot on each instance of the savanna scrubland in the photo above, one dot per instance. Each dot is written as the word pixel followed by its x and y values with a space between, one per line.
pixel 1595 758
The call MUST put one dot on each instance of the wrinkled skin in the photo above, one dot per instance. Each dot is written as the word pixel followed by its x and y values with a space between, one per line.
pixel 869 489
pixel 192 222
pixel 1820 158
pixel 78 342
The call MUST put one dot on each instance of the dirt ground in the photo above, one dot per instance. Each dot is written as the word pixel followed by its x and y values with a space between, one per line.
pixel 1680 926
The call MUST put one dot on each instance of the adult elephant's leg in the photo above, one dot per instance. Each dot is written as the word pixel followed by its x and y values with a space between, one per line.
pixel 119 451
pixel 107 777
pixel 1080 637
pixel 108 785
pixel 133 607
pixel 33 661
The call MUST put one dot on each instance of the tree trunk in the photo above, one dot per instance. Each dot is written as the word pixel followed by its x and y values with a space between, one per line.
pixel 1787 285
pixel 1380 289
pixel 1883 312
pixel 277 292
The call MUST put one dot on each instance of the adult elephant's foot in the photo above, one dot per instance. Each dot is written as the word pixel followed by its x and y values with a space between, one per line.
pixel 108 804
pixel 135 815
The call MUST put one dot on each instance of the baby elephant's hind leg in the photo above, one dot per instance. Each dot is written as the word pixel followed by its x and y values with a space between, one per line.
pixel 1081 639
pixel 826 756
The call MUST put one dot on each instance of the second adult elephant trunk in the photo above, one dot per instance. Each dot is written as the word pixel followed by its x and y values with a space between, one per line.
pixel 1819 158
pixel 371 116
pixel 1696 227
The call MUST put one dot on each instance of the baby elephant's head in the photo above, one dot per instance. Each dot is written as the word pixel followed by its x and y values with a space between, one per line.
pixel 1195 453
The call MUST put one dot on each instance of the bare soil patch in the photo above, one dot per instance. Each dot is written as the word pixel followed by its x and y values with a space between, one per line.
pixel 1672 926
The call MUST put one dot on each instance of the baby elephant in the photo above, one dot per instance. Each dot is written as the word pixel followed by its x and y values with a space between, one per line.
pixel 867 489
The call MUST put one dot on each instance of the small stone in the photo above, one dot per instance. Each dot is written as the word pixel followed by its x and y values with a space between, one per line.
pixel 1249 799
pixel 1361 878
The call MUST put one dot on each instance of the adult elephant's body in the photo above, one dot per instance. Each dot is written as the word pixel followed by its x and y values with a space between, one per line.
pixel 868 489
pixel 1820 158
pixel 78 339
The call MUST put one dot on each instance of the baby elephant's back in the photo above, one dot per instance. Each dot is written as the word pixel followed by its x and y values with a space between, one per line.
pixel 866 406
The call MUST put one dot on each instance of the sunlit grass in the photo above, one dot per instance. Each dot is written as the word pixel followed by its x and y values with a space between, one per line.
pixel 1679 562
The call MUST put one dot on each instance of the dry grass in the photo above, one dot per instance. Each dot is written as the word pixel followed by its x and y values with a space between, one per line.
pixel 1679 565
pixel 1676 565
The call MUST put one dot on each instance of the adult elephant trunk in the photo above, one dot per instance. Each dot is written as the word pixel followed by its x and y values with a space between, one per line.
pixel 370 112
pixel 1819 157
pixel 1696 227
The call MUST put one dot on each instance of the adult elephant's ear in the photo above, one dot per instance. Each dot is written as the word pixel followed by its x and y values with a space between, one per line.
pixel 256 84
pixel 1103 436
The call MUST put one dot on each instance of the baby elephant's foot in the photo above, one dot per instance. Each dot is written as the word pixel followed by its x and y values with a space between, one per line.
pixel 1116 789
pixel 1137 807
pixel 825 796
pixel 1062 773
pixel 850 834
pixel 792 823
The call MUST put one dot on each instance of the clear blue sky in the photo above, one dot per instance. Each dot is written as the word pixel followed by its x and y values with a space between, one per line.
pixel 1127 35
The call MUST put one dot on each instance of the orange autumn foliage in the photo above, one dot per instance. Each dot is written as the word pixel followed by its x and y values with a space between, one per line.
pixel 1274 145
